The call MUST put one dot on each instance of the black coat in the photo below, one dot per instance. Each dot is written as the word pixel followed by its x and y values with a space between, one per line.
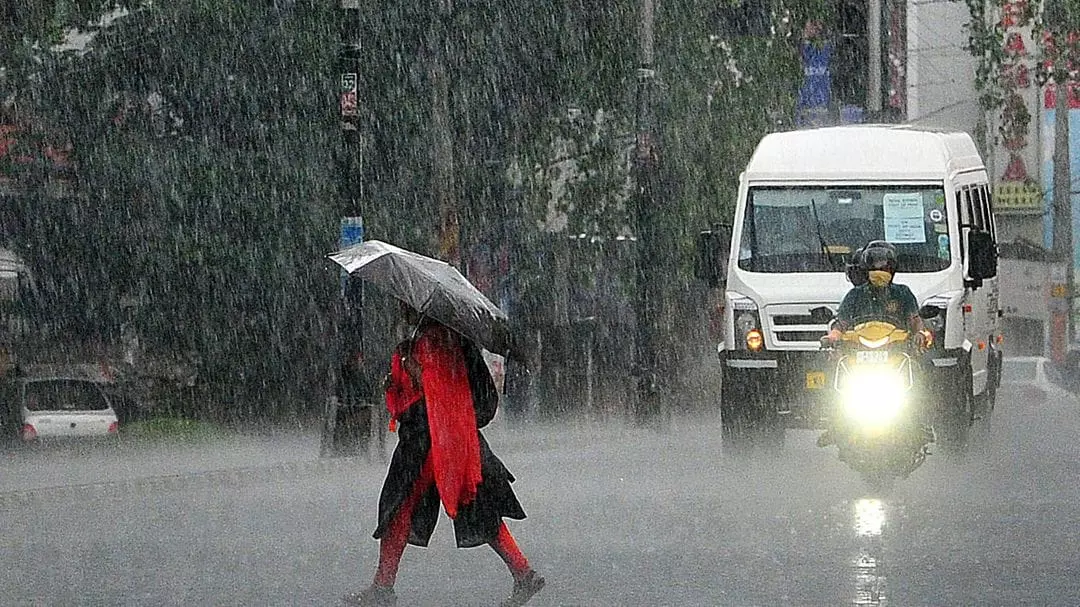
pixel 478 521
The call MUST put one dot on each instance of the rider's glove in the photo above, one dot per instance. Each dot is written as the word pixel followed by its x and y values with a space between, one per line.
pixel 829 339
pixel 924 339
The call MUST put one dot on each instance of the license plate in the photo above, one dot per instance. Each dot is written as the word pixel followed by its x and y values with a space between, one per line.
pixel 815 380
pixel 872 357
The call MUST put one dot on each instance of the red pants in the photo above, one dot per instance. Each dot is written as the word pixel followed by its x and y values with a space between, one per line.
pixel 392 545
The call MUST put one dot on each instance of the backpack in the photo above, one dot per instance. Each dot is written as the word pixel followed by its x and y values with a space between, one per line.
pixel 485 394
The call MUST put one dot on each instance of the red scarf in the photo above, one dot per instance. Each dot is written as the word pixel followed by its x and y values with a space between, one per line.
pixel 401 393
pixel 455 443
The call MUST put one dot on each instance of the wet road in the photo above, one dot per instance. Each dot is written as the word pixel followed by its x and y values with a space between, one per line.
pixel 618 516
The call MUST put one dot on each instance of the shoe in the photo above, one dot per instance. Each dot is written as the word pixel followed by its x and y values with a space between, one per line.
pixel 524 589
pixel 372 596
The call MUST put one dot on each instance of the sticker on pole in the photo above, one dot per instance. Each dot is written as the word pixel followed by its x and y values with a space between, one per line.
pixel 350 105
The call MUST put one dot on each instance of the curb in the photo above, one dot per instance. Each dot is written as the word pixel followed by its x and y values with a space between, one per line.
pixel 1038 362
pixel 232 477
pixel 1045 376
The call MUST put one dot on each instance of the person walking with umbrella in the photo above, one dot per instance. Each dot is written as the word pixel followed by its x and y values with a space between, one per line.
pixel 440 393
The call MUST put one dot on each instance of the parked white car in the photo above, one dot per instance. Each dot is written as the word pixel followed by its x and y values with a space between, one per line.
pixel 60 407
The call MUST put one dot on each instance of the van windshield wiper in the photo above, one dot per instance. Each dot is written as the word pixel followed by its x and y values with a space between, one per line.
pixel 821 237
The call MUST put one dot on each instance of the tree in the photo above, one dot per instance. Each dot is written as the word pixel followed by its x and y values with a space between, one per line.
pixel 204 135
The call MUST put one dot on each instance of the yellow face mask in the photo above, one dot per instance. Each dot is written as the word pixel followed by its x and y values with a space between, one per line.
pixel 880 278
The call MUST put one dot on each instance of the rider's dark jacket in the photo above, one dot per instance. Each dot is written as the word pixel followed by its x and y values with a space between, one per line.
pixel 894 303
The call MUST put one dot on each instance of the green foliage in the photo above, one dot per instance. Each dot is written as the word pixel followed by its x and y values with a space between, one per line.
pixel 204 151
pixel 1061 16
pixel 209 155
pixel 991 24
pixel 173 429
pixel 986 41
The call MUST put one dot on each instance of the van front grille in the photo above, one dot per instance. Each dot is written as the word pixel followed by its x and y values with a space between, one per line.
pixel 789 336
pixel 793 327
pixel 793 319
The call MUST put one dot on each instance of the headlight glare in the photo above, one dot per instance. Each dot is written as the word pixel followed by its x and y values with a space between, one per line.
pixel 874 397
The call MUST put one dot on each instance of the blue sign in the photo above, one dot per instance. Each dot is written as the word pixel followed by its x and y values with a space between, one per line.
pixel 351 232
pixel 816 91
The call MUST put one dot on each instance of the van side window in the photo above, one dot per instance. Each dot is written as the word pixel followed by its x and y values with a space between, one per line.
pixel 988 211
pixel 975 198
pixel 965 219
pixel 983 212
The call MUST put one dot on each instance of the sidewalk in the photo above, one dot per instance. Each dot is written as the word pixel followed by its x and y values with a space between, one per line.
pixel 1041 370
pixel 1026 370
pixel 65 466
pixel 78 470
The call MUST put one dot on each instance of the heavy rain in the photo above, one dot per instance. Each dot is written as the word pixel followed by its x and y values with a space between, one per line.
pixel 776 298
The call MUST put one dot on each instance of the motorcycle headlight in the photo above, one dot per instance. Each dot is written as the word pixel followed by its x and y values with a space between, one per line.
pixel 874 397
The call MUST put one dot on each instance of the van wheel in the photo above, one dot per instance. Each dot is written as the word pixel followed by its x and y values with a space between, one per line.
pixel 954 412
pixel 748 416
pixel 985 402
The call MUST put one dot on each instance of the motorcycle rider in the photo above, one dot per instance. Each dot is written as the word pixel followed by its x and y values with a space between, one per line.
pixel 879 297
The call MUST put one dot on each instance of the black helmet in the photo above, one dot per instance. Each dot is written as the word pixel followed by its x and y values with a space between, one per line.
pixel 879 255
pixel 856 275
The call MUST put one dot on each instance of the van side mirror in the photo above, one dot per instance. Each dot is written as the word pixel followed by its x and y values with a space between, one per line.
pixel 822 315
pixel 982 257
pixel 927 312
pixel 710 261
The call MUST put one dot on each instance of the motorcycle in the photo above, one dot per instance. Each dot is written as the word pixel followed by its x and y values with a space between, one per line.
pixel 875 419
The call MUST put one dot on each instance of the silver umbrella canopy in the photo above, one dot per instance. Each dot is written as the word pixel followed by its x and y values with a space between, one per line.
pixel 433 287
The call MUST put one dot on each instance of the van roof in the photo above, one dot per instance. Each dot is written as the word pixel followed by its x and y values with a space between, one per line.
pixel 868 152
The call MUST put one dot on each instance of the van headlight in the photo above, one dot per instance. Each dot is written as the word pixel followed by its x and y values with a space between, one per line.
pixel 748 334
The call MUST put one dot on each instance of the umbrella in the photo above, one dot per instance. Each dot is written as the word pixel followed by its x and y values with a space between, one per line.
pixel 433 287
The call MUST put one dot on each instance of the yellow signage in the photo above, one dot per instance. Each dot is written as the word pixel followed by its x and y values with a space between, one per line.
pixel 815 380
pixel 1017 197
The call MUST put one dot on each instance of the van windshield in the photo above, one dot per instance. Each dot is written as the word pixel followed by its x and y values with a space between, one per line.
pixel 817 229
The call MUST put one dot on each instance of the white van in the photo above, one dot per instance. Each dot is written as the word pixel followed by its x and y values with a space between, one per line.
pixel 807 200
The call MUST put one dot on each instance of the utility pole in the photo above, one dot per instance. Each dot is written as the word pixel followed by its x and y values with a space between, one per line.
pixel 1058 16
pixel 1063 236
pixel 873 67
pixel 345 337
pixel 350 161
pixel 444 188
pixel 647 303
pixel 1062 206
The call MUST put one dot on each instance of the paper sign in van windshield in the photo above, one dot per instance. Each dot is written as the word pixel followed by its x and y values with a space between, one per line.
pixel 904 218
